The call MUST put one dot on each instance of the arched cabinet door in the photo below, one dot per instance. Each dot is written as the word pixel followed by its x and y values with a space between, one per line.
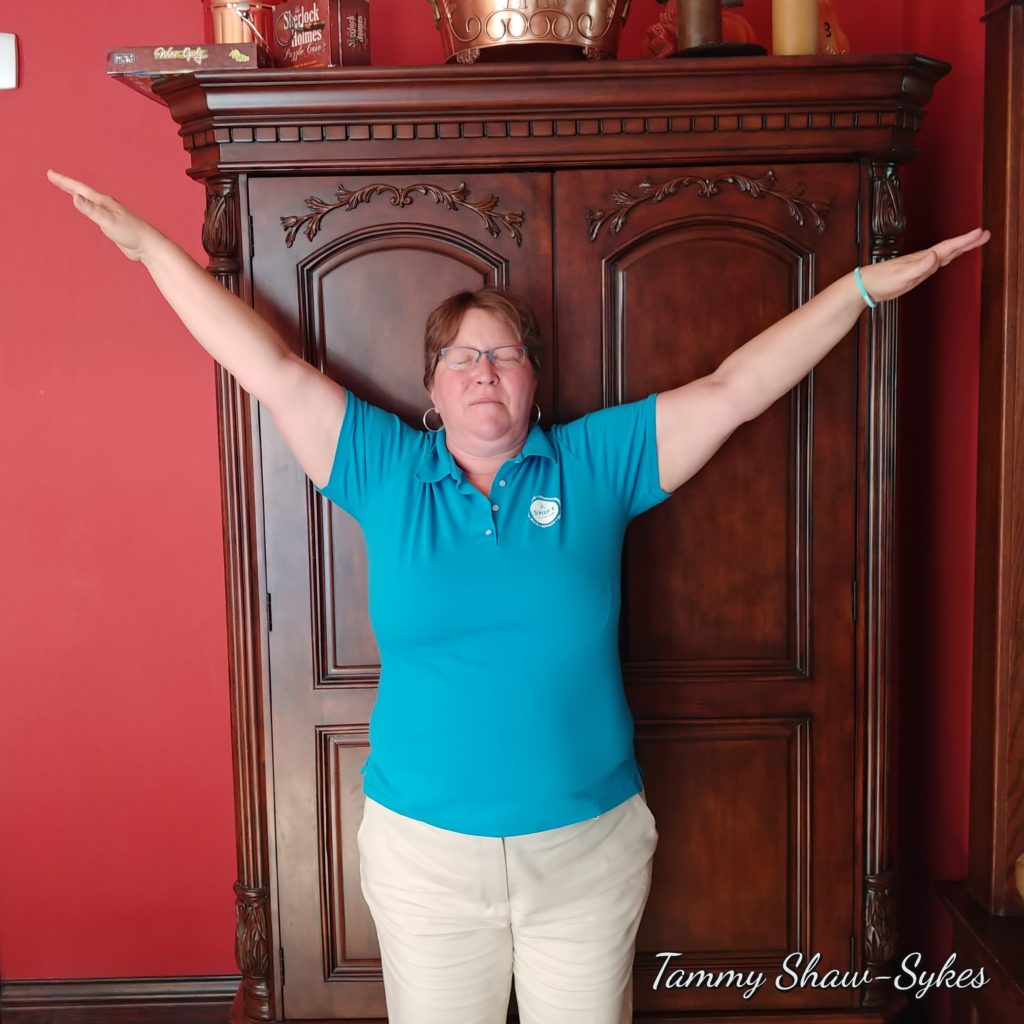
pixel 738 636
pixel 348 267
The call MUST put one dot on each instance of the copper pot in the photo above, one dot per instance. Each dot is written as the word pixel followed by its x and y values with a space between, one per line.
pixel 241 21
pixel 529 29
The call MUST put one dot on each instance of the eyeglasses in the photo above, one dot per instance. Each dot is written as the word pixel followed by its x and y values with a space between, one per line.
pixel 505 357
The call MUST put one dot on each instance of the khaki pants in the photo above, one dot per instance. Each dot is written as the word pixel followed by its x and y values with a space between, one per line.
pixel 458 916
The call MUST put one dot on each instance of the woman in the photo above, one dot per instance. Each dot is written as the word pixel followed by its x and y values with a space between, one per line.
pixel 505 831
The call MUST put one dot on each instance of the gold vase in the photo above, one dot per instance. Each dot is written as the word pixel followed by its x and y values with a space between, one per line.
pixel 507 30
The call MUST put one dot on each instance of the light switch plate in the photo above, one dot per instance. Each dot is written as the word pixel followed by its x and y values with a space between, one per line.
pixel 8 61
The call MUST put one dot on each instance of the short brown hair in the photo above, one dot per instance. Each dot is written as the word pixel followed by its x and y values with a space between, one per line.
pixel 509 307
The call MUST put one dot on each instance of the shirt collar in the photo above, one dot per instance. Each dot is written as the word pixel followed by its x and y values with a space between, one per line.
pixel 437 461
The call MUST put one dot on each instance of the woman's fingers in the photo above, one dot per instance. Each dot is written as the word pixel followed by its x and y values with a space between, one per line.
pixel 128 231
pixel 892 278
pixel 948 249
pixel 964 243
pixel 943 251
pixel 93 210
pixel 966 238
pixel 74 187
pixel 87 200
pixel 100 215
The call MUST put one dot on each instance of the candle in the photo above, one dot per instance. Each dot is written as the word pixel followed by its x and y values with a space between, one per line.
pixel 700 22
pixel 794 26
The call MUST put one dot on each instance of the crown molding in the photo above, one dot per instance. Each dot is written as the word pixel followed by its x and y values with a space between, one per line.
pixel 521 115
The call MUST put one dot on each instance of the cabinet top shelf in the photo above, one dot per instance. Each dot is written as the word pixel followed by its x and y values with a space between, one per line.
pixel 553 114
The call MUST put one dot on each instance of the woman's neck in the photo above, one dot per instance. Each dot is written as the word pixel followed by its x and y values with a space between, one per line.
pixel 480 465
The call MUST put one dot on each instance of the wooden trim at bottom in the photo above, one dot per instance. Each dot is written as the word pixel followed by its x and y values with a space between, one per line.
pixel 208 999
pixel 172 1000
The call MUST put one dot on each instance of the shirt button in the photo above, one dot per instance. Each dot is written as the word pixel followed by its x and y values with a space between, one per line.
pixel 501 483
pixel 487 533
pixel 494 508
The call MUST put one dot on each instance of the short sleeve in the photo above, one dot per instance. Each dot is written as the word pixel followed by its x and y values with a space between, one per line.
pixel 620 444
pixel 373 446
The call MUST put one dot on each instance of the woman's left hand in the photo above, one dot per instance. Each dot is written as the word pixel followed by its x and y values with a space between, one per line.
pixel 898 276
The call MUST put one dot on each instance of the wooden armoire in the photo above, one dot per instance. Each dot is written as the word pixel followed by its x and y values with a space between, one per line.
pixel 658 214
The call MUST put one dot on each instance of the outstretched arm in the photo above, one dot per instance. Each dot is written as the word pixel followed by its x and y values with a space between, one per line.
pixel 307 406
pixel 695 420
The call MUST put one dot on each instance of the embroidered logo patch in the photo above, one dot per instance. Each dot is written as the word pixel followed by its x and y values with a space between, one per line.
pixel 545 511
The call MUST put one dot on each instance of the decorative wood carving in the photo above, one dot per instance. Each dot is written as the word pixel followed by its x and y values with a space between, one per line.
pixel 246 681
pixel 887 221
pixel 220 230
pixel 756 188
pixel 453 199
pixel 637 126
pixel 251 950
pixel 401 129
pixel 222 242
pixel 879 937
pixel 887 217
pixel 879 920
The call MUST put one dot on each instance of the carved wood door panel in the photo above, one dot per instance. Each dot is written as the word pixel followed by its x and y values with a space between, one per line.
pixel 364 268
pixel 738 634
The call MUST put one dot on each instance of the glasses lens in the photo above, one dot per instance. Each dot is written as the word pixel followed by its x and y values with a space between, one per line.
pixel 508 356
pixel 460 358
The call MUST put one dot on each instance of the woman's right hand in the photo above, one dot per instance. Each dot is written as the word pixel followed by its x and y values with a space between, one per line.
pixel 307 405
pixel 129 232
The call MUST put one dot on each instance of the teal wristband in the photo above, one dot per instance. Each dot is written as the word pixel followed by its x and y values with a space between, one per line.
pixel 864 292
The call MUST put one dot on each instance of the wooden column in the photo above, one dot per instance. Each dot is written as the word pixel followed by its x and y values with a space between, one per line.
pixel 997 758
pixel 987 909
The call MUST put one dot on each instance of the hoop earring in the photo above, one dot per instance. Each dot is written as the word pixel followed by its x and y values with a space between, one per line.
pixel 431 430
pixel 537 420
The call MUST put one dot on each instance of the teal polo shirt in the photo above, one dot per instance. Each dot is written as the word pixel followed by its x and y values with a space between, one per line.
pixel 500 709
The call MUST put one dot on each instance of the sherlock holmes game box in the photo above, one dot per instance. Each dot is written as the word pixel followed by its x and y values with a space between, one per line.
pixel 321 33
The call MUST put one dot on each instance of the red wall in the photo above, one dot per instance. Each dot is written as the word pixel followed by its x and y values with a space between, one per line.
pixel 114 735
pixel 118 849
